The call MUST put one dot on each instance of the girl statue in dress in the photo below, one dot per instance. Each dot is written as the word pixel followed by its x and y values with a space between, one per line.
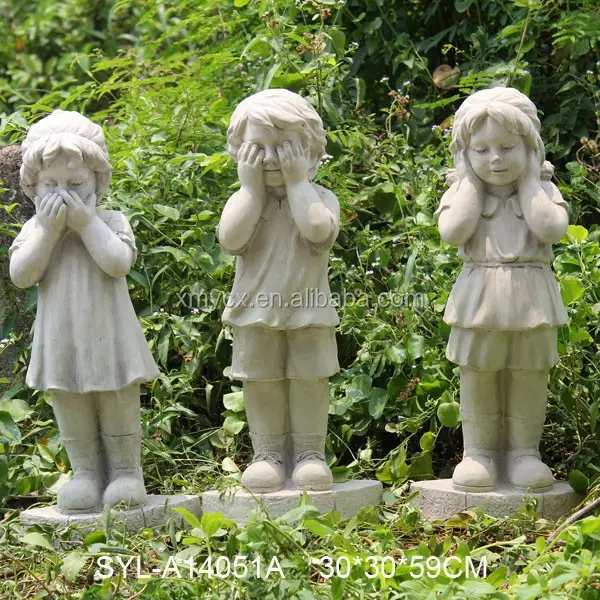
pixel 503 213
pixel 88 349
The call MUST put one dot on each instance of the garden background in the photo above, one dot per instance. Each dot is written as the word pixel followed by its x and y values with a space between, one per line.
pixel 386 76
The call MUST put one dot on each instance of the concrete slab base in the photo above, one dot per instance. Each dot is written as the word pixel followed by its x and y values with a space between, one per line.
pixel 437 499
pixel 154 514
pixel 346 498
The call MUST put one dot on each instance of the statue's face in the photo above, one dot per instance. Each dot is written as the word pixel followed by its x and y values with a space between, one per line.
pixel 497 156
pixel 60 175
pixel 269 139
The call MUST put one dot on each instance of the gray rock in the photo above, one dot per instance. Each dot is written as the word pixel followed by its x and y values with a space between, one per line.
pixel 12 300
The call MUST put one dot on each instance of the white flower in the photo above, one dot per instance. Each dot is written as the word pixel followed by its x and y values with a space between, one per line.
pixel 195 311
pixel 155 314
pixel 384 79
pixel 406 83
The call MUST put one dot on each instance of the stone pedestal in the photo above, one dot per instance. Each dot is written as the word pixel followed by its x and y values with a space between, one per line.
pixel 439 500
pixel 154 514
pixel 346 498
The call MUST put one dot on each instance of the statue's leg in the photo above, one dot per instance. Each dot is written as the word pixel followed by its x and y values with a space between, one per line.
pixel 258 360
pixel 79 431
pixel 122 442
pixel 266 411
pixel 309 410
pixel 480 410
pixel 526 395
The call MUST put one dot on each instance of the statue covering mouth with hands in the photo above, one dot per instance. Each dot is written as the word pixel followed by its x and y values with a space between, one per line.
pixel 88 348
pixel 281 225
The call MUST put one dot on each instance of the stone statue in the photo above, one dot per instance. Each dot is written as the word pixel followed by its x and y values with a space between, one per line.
pixel 503 213
pixel 88 349
pixel 281 227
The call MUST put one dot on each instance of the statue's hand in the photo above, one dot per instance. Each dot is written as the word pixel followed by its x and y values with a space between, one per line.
pixel 250 167
pixel 79 213
pixel 465 172
pixel 51 212
pixel 294 161
pixel 532 173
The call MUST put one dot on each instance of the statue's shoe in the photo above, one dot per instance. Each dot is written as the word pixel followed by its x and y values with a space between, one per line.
pixel 528 472
pixel 311 472
pixel 265 474
pixel 475 473
pixel 81 494
pixel 125 476
pixel 126 487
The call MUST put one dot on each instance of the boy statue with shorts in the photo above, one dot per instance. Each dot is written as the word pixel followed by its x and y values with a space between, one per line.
pixel 281 226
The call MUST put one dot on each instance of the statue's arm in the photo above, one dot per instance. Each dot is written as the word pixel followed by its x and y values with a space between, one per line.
pixel 316 212
pixel 544 210
pixel 458 213
pixel 239 220
pixel 110 244
pixel 30 253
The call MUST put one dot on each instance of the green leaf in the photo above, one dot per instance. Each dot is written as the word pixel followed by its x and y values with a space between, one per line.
pixel 377 402
pixel 72 565
pixel 427 441
pixel 164 342
pixel 211 523
pixel 338 37
pixel 167 211
pixel 302 512
pixel 18 409
pixel 240 3
pixel 34 538
pixel 359 387
pixel 570 290
pixel 233 425
pixel 448 413
pixel 462 5
pixel 395 354
pixel 189 517
pixel 421 466
pixel 498 576
pixel 234 401
pixel 95 537
pixel 579 482
pixel 577 233
pixel 317 527
pixel 415 345
pixel 229 466
pixel 9 429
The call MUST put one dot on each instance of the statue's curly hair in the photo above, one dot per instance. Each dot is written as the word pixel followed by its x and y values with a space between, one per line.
pixel 282 109
pixel 507 106
pixel 69 133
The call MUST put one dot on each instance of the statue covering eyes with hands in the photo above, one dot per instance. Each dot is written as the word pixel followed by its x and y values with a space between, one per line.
pixel 88 349
pixel 503 213
pixel 281 226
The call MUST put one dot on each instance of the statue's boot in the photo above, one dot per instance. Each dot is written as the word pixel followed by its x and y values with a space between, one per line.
pixel 122 442
pixel 311 471
pixel 524 423
pixel 266 472
pixel 266 411
pixel 78 428
pixel 481 428
pixel 124 470
pixel 309 411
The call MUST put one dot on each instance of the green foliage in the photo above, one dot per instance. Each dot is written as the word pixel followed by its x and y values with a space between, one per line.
pixel 163 78
pixel 303 554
